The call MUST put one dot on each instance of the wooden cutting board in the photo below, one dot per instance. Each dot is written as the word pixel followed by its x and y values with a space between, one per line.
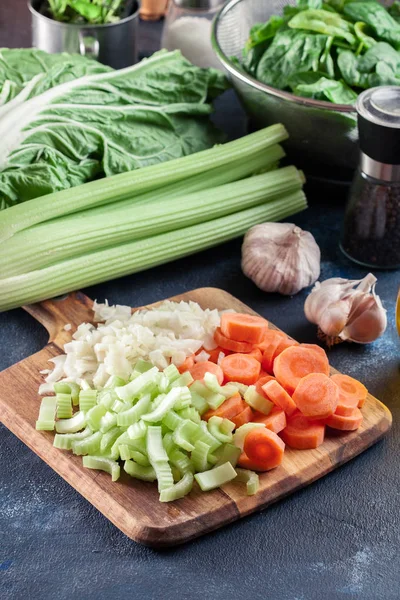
pixel 132 505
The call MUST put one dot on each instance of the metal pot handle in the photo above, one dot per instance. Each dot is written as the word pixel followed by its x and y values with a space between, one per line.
pixel 88 44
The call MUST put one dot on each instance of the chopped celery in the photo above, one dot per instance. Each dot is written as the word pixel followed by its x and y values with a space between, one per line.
pixel 199 403
pixel 47 414
pixel 242 431
pixel 68 387
pixel 199 456
pixel 64 406
pixel 163 384
pixel 184 380
pixel 87 399
pixel 211 382
pixel 119 406
pixel 256 401
pixel 250 478
pixel 208 480
pixel 180 460
pixel 143 365
pixel 221 428
pixel 166 405
pixel 76 423
pixel 179 489
pixel 124 452
pixel 139 472
pixel 108 420
pixel 109 438
pixel 137 430
pixel 205 436
pixel 114 382
pixel 107 398
pixel 240 387
pixel 94 416
pixel 132 415
pixel 138 457
pixel 171 373
pixel 123 438
pixel 183 434
pixel 103 464
pixel 88 445
pixel 190 413
pixel 214 401
pixel 199 388
pixel 168 443
pixel 163 471
pixel 156 401
pixel 172 420
pixel 226 453
pixel 141 385
pixel 63 441
pixel 154 444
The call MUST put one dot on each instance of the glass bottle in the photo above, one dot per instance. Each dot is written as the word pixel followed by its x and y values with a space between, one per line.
pixel 187 28
pixel 371 230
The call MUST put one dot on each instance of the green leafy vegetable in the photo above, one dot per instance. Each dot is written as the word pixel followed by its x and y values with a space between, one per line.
pixel 323 21
pixel 89 11
pixel 327 89
pixel 377 17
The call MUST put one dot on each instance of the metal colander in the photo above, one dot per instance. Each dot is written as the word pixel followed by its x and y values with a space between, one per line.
pixel 320 132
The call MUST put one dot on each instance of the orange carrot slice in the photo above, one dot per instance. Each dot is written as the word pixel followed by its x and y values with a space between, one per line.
pixel 246 463
pixel 275 421
pixel 256 353
pixel 345 423
pixel 240 367
pixel 286 343
pixel 294 363
pixel 242 327
pixel 316 396
pixel 302 434
pixel 201 368
pixel 352 393
pixel 279 396
pixel 264 447
pixel 261 381
pixel 243 417
pixel 270 336
pixel 231 345
pixel 228 409
pixel 316 348
pixel 187 364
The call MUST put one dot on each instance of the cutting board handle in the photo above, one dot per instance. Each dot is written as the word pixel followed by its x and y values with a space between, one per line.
pixel 73 309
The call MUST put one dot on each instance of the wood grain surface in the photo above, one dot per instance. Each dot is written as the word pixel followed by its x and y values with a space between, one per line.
pixel 132 505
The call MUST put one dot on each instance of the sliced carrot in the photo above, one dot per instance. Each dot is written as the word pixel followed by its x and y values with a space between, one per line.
pixel 215 352
pixel 316 396
pixel 279 396
pixel 240 367
pixel 187 364
pixel 228 409
pixel 345 423
pixel 231 345
pixel 256 353
pixel 201 368
pixel 294 363
pixel 246 463
pixel 270 336
pixel 275 421
pixel 285 343
pixel 260 383
pixel 243 328
pixel 264 447
pixel 243 417
pixel 352 393
pixel 316 348
pixel 263 373
pixel 302 434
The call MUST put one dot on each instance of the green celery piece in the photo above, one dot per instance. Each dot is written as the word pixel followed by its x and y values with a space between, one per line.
pixel 184 433
pixel 171 373
pixel 163 471
pixel 94 416
pixel 143 365
pixel 198 402
pixel 87 399
pixel 139 472
pixel 47 414
pixel 214 401
pixel 64 406
pixel 137 430
pixel 168 443
pixel 141 385
pixel 221 429
pixel 190 413
pixel 226 453
pixel 184 380
pixel 124 452
pixel 103 464
pixel 107 397
pixel 179 489
pixel 68 387
pixel 154 444
pixel 63 441
pixel 212 384
pixel 251 480
pixel 107 421
pixel 172 420
pixel 76 423
pixel 165 406
pixel 142 254
pixel 119 406
pixel 199 456
pixel 204 435
pixel 242 431
pixel 88 445
pixel 214 478
pixel 109 438
pixel 123 438
pixel 215 396
pixel 181 461
pixel 163 384
pixel 132 415
pixel 240 387
pixel 139 458
pixel 156 401
pixel 184 400
pixel 256 401
pixel 114 382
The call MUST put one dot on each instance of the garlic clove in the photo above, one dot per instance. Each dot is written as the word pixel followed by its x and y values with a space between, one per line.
pixel 334 318
pixel 368 322
pixel 280 257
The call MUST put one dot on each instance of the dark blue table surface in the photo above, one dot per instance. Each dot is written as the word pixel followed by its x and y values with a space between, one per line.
pixel 336 539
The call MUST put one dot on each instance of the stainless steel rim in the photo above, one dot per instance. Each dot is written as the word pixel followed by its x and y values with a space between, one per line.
pixel 84 25
pixel 262 87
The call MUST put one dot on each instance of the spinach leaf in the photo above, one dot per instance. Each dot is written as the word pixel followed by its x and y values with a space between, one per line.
pixel 394 10
pixel 304 4
pixel 377 17
pixel 380 65
pixel 260 38
pixel 361 30
pixel 327 89
pixel 290 52
pixel 325 22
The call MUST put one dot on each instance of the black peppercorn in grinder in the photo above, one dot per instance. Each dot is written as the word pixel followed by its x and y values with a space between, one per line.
pixel 371 230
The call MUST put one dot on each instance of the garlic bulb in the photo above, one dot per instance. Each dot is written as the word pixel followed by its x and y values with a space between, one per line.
pixel 346 309
pixel 280 257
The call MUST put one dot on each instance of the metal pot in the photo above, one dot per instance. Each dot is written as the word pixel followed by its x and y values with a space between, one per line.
pixel 113 44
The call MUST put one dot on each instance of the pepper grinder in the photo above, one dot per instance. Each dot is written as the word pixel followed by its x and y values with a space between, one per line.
pixel 371 230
